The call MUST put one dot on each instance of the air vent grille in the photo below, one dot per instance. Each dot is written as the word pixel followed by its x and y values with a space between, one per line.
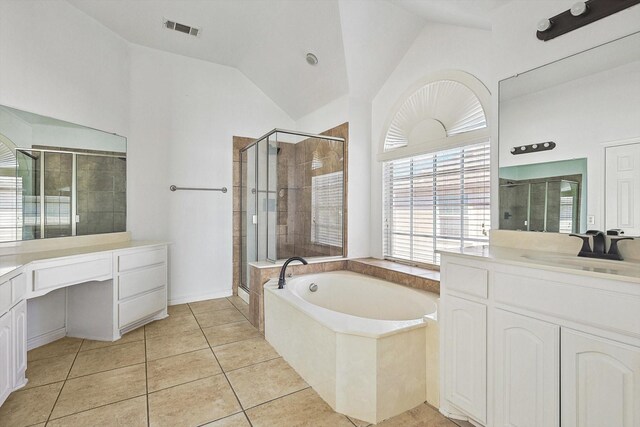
pixel 186 29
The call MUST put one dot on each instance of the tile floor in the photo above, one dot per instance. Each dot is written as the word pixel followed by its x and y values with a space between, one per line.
pixel 204 365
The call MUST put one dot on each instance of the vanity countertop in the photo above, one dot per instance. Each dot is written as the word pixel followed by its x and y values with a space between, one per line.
pixel 614 270
pixel 10 263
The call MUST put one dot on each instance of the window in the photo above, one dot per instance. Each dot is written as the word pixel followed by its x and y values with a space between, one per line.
pixel 326 209
pixel 436 201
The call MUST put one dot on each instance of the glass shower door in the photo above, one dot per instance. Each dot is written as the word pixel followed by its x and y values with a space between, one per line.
pixel 249 213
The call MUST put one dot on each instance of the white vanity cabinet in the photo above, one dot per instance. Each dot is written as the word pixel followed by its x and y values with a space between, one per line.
pixel 527 375
pixel 13 335
pixel 538 346
pixel 6 357
pixel 465 352
pixel 600 381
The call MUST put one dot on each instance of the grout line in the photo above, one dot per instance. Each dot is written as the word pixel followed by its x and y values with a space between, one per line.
pixel 232 342
pixel 114 344
pixel 100 372
pixel 64 383
pixel 220 419
pixel 281 397
pixel 254 364
pixel 247 418
pixel 186 382
pixel 146 376
pixel 179 354
pixel 96 407
pixel 218 361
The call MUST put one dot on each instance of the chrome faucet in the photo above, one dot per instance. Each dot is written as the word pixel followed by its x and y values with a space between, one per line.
pixel 599 244
pixel 283 270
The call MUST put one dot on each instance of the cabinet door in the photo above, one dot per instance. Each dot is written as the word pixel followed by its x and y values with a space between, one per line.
pixel 6 359
pixel 466 355
pixel 600 382
pixel 19 326
pixel 526 371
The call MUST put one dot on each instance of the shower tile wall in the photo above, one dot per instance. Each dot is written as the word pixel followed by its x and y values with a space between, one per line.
pixel 287 197
pixel 58 177
pixel 297 164
pixel 102 200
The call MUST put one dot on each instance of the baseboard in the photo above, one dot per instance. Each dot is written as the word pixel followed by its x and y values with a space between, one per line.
pixel 195 298
pixel 244 295
pixel 46 338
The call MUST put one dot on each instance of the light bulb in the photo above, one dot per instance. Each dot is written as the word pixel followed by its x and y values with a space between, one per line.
pixel 534 146
pixel 523 148
pixel 579 8
pixel 546 145
pixel 544 25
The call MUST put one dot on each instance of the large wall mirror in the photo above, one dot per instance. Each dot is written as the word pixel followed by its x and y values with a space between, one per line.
pixel 588 106
pixel 59 179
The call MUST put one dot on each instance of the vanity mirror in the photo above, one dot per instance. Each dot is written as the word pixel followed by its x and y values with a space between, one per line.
pixel 59 179
pixel 588 104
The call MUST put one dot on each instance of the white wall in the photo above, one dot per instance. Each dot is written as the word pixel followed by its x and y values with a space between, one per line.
pixel 437 48
pixel 57 62
pixel 184 113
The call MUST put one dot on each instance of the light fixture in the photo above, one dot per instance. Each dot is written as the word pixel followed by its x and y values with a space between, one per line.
pixel 312 59
pixel 533 148
pixel 581 13
pixel 544 25
pixel 579 8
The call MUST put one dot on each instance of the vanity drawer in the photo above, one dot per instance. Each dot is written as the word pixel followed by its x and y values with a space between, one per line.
pixel 59 273
pixel 140 307
pixel 468 280
pixel 5 297
pixel 133 260
pixel 574 302
pixel 140 281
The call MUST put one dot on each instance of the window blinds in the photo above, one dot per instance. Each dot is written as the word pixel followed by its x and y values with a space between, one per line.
pixel 436 201
pixel 326 209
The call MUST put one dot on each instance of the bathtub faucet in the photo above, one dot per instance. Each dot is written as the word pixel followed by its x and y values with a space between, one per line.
pixel 283 270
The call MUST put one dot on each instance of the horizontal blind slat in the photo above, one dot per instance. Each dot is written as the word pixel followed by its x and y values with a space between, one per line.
pixel 435 201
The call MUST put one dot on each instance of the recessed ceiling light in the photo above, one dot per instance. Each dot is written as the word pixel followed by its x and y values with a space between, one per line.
pixel 312 59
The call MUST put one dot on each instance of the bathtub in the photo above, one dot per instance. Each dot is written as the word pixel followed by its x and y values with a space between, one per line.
pixel 368 347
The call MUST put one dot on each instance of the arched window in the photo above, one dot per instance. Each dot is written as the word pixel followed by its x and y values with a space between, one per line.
pixel 436 181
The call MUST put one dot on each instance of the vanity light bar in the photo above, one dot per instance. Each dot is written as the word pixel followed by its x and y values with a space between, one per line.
pixel 581 13
pixel 533 148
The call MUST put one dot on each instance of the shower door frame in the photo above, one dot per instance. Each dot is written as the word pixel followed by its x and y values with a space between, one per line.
pixel 246 286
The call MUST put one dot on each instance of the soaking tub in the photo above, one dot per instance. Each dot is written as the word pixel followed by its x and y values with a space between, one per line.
pixel 368 347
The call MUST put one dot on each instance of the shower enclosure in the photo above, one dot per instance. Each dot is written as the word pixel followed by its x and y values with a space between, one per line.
pixel 551 205
pixel 292 188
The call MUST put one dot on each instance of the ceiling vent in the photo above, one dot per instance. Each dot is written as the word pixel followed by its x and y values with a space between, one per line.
pixel 176 26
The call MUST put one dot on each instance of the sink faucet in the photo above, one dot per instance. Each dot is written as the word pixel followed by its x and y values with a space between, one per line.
pixel 599 244
pixel 283 270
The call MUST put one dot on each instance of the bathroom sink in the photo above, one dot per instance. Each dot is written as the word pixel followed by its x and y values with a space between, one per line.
pixel 623 268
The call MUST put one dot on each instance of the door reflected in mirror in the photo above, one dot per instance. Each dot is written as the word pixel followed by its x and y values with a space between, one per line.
pixel 59 179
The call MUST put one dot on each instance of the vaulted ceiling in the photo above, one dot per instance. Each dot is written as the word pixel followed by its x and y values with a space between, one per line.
pixel 358 42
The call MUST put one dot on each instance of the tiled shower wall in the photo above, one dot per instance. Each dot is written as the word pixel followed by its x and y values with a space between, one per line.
pixel 102 196
pixel 297 164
